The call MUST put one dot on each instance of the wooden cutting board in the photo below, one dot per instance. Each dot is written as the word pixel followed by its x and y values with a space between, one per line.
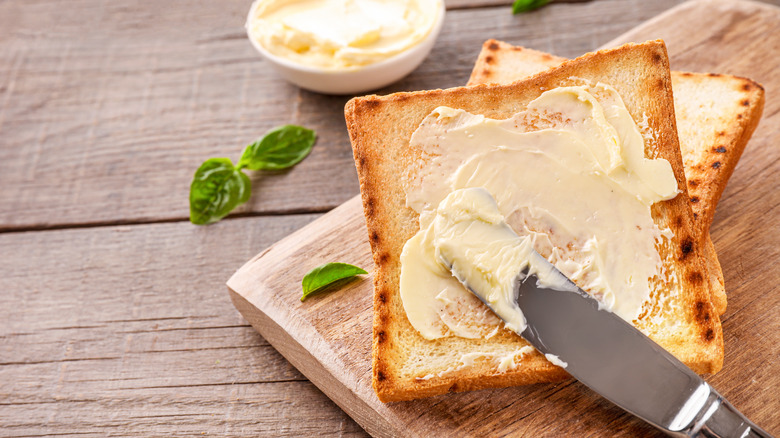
pixel 328 337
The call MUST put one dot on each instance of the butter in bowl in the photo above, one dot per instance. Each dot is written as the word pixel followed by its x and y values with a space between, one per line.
pixel 344 46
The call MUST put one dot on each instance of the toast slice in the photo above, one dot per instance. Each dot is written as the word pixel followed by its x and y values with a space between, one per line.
pixel 716 115
pixel 406 365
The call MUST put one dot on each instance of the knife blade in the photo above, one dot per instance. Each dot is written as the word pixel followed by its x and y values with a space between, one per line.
pixel 619 362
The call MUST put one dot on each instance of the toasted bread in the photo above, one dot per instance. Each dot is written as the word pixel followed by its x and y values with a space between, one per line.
pixel 716 115
pixel 407 366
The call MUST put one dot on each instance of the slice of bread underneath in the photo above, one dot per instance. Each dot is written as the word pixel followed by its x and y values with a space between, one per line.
pixel 716 115
pixel 408 366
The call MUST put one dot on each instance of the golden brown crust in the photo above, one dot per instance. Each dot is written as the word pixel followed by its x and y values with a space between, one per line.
pixel 502 63
pixel 725 133
pixel 380 128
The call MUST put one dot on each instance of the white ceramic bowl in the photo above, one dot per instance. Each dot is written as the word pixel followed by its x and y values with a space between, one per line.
pixel 362 79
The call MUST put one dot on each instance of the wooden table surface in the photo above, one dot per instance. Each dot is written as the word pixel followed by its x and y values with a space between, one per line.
pixel 114 315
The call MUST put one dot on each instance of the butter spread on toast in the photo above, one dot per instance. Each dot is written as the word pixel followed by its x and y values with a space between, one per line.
pixel 486 255
pixel 569 173
pixel 503 361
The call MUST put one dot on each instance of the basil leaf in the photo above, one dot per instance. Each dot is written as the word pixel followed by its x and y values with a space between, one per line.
pixel 216 189
pixel 527 5
pixel 322 276
pixel 280 148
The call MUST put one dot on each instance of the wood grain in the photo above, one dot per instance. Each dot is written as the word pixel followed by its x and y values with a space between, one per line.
pixel 128 331
pixel 340 364
pixel 107 109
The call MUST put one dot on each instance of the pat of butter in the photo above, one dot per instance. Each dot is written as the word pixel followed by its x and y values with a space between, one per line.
pixel 555 360
pixel 340 34
pixel 569 173
pixel 470 235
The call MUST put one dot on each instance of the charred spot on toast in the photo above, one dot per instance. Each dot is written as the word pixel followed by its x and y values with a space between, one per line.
pixel 695 215
pixel 740 116
pixel 380 376
pixel 372 103
pixel 747 86
pixel 709 335
pixel 721 133
pixel 720 149
pixel 489 59
pixel 374 236
pixel 686 247
pixel 361 159
pixel 486 72
pixel 678 221
pixel 713 75
pixel 716 165
pixel 383 258
pixel 702 315
pixel 493 45
pixel 745 102
pixel 696 279
pixel 382 297
pixel 694 199
pixel 453 387
pixel 686 74
pixel 693 183
pixel 657 58
pixel 380 336
pixel 368 206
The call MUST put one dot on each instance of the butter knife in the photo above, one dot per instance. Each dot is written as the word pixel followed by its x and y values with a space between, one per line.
pixel 623 365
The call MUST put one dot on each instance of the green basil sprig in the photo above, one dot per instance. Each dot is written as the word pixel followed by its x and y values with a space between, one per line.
pixel 218 186
pixel 280 148
pixel 323 276
pixel 520 6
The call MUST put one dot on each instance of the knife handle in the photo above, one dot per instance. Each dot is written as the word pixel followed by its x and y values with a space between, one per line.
pixel 719 419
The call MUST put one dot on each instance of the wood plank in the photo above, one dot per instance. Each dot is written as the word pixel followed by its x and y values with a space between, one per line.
pixel 128 331
pixel 471 4
pixel 107 125
pixel 325 338
pixel 284 409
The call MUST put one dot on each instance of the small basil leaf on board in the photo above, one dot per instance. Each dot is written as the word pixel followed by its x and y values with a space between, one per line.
pixel 327 274
pixel 217 188
pixel 520 6
pixel 280 148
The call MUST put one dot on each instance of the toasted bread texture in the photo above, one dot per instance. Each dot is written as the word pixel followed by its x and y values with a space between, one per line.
pixel 407 366
pixel 716 115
